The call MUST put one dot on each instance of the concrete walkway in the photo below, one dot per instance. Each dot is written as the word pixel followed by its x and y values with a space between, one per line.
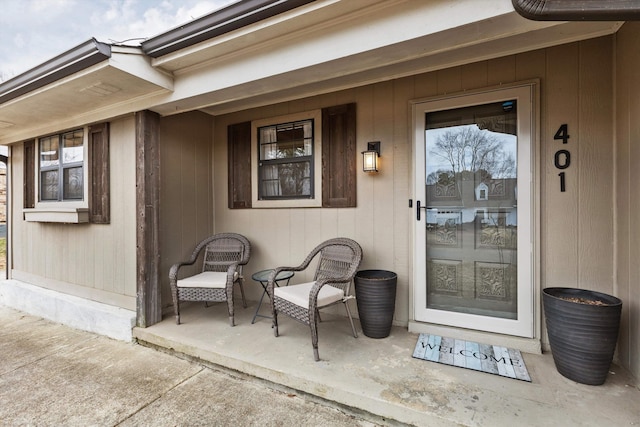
pixel 380 376
pixel 52 375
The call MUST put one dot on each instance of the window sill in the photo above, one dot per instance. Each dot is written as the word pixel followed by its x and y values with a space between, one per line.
pixel 61 215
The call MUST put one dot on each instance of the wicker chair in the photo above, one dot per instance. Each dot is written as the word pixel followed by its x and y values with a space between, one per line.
pixel 224 256
pixel 338 262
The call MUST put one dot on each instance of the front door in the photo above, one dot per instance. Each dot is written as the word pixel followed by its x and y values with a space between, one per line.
pixel 473 213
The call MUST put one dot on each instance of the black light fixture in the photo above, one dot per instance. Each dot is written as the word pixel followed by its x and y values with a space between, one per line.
pixel 370 157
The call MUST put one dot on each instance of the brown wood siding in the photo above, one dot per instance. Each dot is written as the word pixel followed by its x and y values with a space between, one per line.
pixel 239 143
pixel 339 156
pixel 149 308
pixel 29 195
pixel 99 206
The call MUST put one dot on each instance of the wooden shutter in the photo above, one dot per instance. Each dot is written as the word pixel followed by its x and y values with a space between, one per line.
pixel 99 206
pixel 239 153
pixel 29 188
pixel 339 156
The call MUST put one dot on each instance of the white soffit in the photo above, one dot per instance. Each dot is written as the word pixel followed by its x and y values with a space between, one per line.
pixel 96 93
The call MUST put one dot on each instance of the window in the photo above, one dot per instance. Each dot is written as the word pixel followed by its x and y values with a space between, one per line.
pixel 285 161
pixel 305 159
pixel 62 166
pixel 71 175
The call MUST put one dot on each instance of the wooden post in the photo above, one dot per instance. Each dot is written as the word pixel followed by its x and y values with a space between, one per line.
pixel 149 298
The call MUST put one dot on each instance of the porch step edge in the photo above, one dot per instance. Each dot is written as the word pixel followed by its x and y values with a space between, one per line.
pixel 374 410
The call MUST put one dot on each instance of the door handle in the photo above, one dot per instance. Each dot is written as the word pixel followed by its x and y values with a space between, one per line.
pixel 418 207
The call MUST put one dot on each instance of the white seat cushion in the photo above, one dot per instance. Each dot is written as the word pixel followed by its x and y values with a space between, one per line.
pixel 299 294
pixel 206 279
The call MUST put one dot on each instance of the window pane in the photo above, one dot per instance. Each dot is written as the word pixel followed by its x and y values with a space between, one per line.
pixel 49 185
pixel 286 140
pixel 72 186
pixel 286 180
pixel 49 154
pixel 73 149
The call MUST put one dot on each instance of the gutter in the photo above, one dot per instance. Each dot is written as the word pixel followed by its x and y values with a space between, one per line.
pixel 225 20
pixel 80 57
pixel 578 10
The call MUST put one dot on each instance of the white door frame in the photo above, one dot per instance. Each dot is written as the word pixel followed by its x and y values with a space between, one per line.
pixel 528 224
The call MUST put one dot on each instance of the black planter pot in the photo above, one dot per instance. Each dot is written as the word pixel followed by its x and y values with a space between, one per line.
pixel 582 336
pixel 376 299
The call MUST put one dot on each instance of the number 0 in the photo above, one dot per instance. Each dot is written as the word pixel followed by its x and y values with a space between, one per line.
pixel 558 157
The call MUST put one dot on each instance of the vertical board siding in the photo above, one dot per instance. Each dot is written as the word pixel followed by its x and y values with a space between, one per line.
pixel 595 159
pixel 186 190
pixel 98 261
pixel 560 97
pixel 627 152
pixel 403 89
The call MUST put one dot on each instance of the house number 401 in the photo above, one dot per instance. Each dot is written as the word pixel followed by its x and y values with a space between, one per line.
pixel 562 158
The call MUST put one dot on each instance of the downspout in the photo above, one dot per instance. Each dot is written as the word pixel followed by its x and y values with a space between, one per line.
pixel 578 10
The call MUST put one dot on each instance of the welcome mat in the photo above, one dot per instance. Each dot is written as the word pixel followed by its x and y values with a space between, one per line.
pixel 491 359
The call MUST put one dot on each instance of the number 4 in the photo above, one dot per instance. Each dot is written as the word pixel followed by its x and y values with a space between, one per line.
pixel 562 133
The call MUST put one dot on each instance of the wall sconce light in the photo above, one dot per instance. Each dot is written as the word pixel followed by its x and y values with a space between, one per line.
pixel 370 157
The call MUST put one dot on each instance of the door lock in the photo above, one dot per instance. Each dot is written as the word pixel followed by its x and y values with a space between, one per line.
pixel 418 207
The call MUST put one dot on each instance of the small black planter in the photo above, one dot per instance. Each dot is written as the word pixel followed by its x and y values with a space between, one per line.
pixel 376 299
pixel 582 336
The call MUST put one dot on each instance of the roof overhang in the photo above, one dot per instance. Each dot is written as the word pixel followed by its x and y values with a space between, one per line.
pixel 83 56
pixel 330 45
pixel 91 82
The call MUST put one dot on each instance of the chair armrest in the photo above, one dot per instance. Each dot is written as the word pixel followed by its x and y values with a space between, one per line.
pixel 231 271
pixel 173 271
pixel 274 274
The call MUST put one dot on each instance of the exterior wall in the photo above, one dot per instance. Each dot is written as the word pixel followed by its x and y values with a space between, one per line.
pixel 92 261
pixel 576 226
pixel 627 176
pixel 186 189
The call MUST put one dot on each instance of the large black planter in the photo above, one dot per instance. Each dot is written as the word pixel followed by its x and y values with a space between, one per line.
pixel 376 299
pixel 582 336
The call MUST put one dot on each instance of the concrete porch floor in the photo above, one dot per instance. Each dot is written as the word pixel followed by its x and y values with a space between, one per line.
pixel 380 376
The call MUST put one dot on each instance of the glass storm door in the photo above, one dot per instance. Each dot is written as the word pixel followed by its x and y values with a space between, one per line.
pixel 473 212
